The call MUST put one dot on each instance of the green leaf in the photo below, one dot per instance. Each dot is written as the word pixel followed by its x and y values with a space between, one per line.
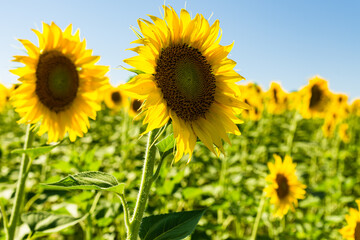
pixel 88 181
pixel 174 226
pixel 35 152
pixel 46 222
pixel 166 144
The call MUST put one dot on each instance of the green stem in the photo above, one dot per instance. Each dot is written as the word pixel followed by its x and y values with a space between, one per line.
pixel 5 218
pixel 126 212
pixel 20 188
pixel 291 135
pixel 89 225
pixel 146 181
pixel 258 217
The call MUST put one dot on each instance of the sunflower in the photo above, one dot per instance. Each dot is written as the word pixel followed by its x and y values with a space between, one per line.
pixel 352 230
pixel 344 133
pixel 187 78
pixel 328 126
pixel 316 98
pixel 340 105
pixel 4 93
pixel 59 83
pixel 285 189
pixel 115 98
pixel 134 109
pixel 355 107
pixel 277 99
pixel 292 101
pixel 252 94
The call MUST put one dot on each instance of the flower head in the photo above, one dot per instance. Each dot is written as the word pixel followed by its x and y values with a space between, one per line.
pixel 115 98
pixel 58 83
pixel 284 188
pixel 316 98
pixel 187 78
pixel 277 99
pixel 252 94
pixel 352 230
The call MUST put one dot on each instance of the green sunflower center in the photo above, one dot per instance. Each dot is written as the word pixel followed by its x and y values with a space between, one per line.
pixel 136 104
pixel 116 97
pixel 357 231
pixel 316 95
pixel 283 189
pixel 186 80
pixel 57 81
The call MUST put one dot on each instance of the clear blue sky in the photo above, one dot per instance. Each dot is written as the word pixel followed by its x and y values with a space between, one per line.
pixel 281 40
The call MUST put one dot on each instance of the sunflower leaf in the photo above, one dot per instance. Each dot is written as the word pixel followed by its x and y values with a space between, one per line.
pixel 166 144
pixel 173 226
pixel 35 152
pixel 46 222
pixel 88 181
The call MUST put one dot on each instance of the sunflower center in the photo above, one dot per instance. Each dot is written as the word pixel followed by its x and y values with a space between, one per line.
pixel 283 189
pixel 275 95
pixel 316 95
pixel 116 97
pixel 57 81
pixel 186 80
pixel 136 105
pixel 357 231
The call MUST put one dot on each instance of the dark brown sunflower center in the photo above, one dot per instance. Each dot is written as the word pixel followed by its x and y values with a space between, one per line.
pixel 57 81
pixel 340 99
pixel 275 95
pixel 136 105
pixel 116 97
pixel 316 95
pixel 283 189
pixel 186 80
pixel 357 231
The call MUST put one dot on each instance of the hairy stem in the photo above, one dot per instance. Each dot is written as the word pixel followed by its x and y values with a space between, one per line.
pixel 20 188
pixel 146 181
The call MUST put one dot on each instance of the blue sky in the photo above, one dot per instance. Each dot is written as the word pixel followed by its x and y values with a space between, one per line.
pixel 282 40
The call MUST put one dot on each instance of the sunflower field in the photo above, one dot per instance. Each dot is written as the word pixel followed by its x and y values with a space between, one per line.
pixel 183 150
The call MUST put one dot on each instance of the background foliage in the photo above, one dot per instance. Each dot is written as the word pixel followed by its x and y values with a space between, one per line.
pixel 230 186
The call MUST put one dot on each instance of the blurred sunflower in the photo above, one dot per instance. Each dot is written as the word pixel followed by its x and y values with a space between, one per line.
pixel 115 98
pixel 277 99
pixel 59 83
pixel 284 189
pixel 134 109
pixel 3 96
pixel 355 107
pixel 344 133
pixel 328 126
pixel 352 230
pixel 186 77
pixel 293 101
pixel 316 98
pixel 340 105
pixel 252 94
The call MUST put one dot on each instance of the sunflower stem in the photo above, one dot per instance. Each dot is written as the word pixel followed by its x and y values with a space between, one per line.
pixel 290 140
pixel 146 181
pixel 258 217
pixel 126 212
pixel 20 188
pixel 4 216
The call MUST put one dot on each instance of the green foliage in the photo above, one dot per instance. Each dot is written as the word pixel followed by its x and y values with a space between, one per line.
pixel 88 181
pixel 175 226
pixel 34 152
pixel 43 223
pixel 230 186
pixel 166 144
